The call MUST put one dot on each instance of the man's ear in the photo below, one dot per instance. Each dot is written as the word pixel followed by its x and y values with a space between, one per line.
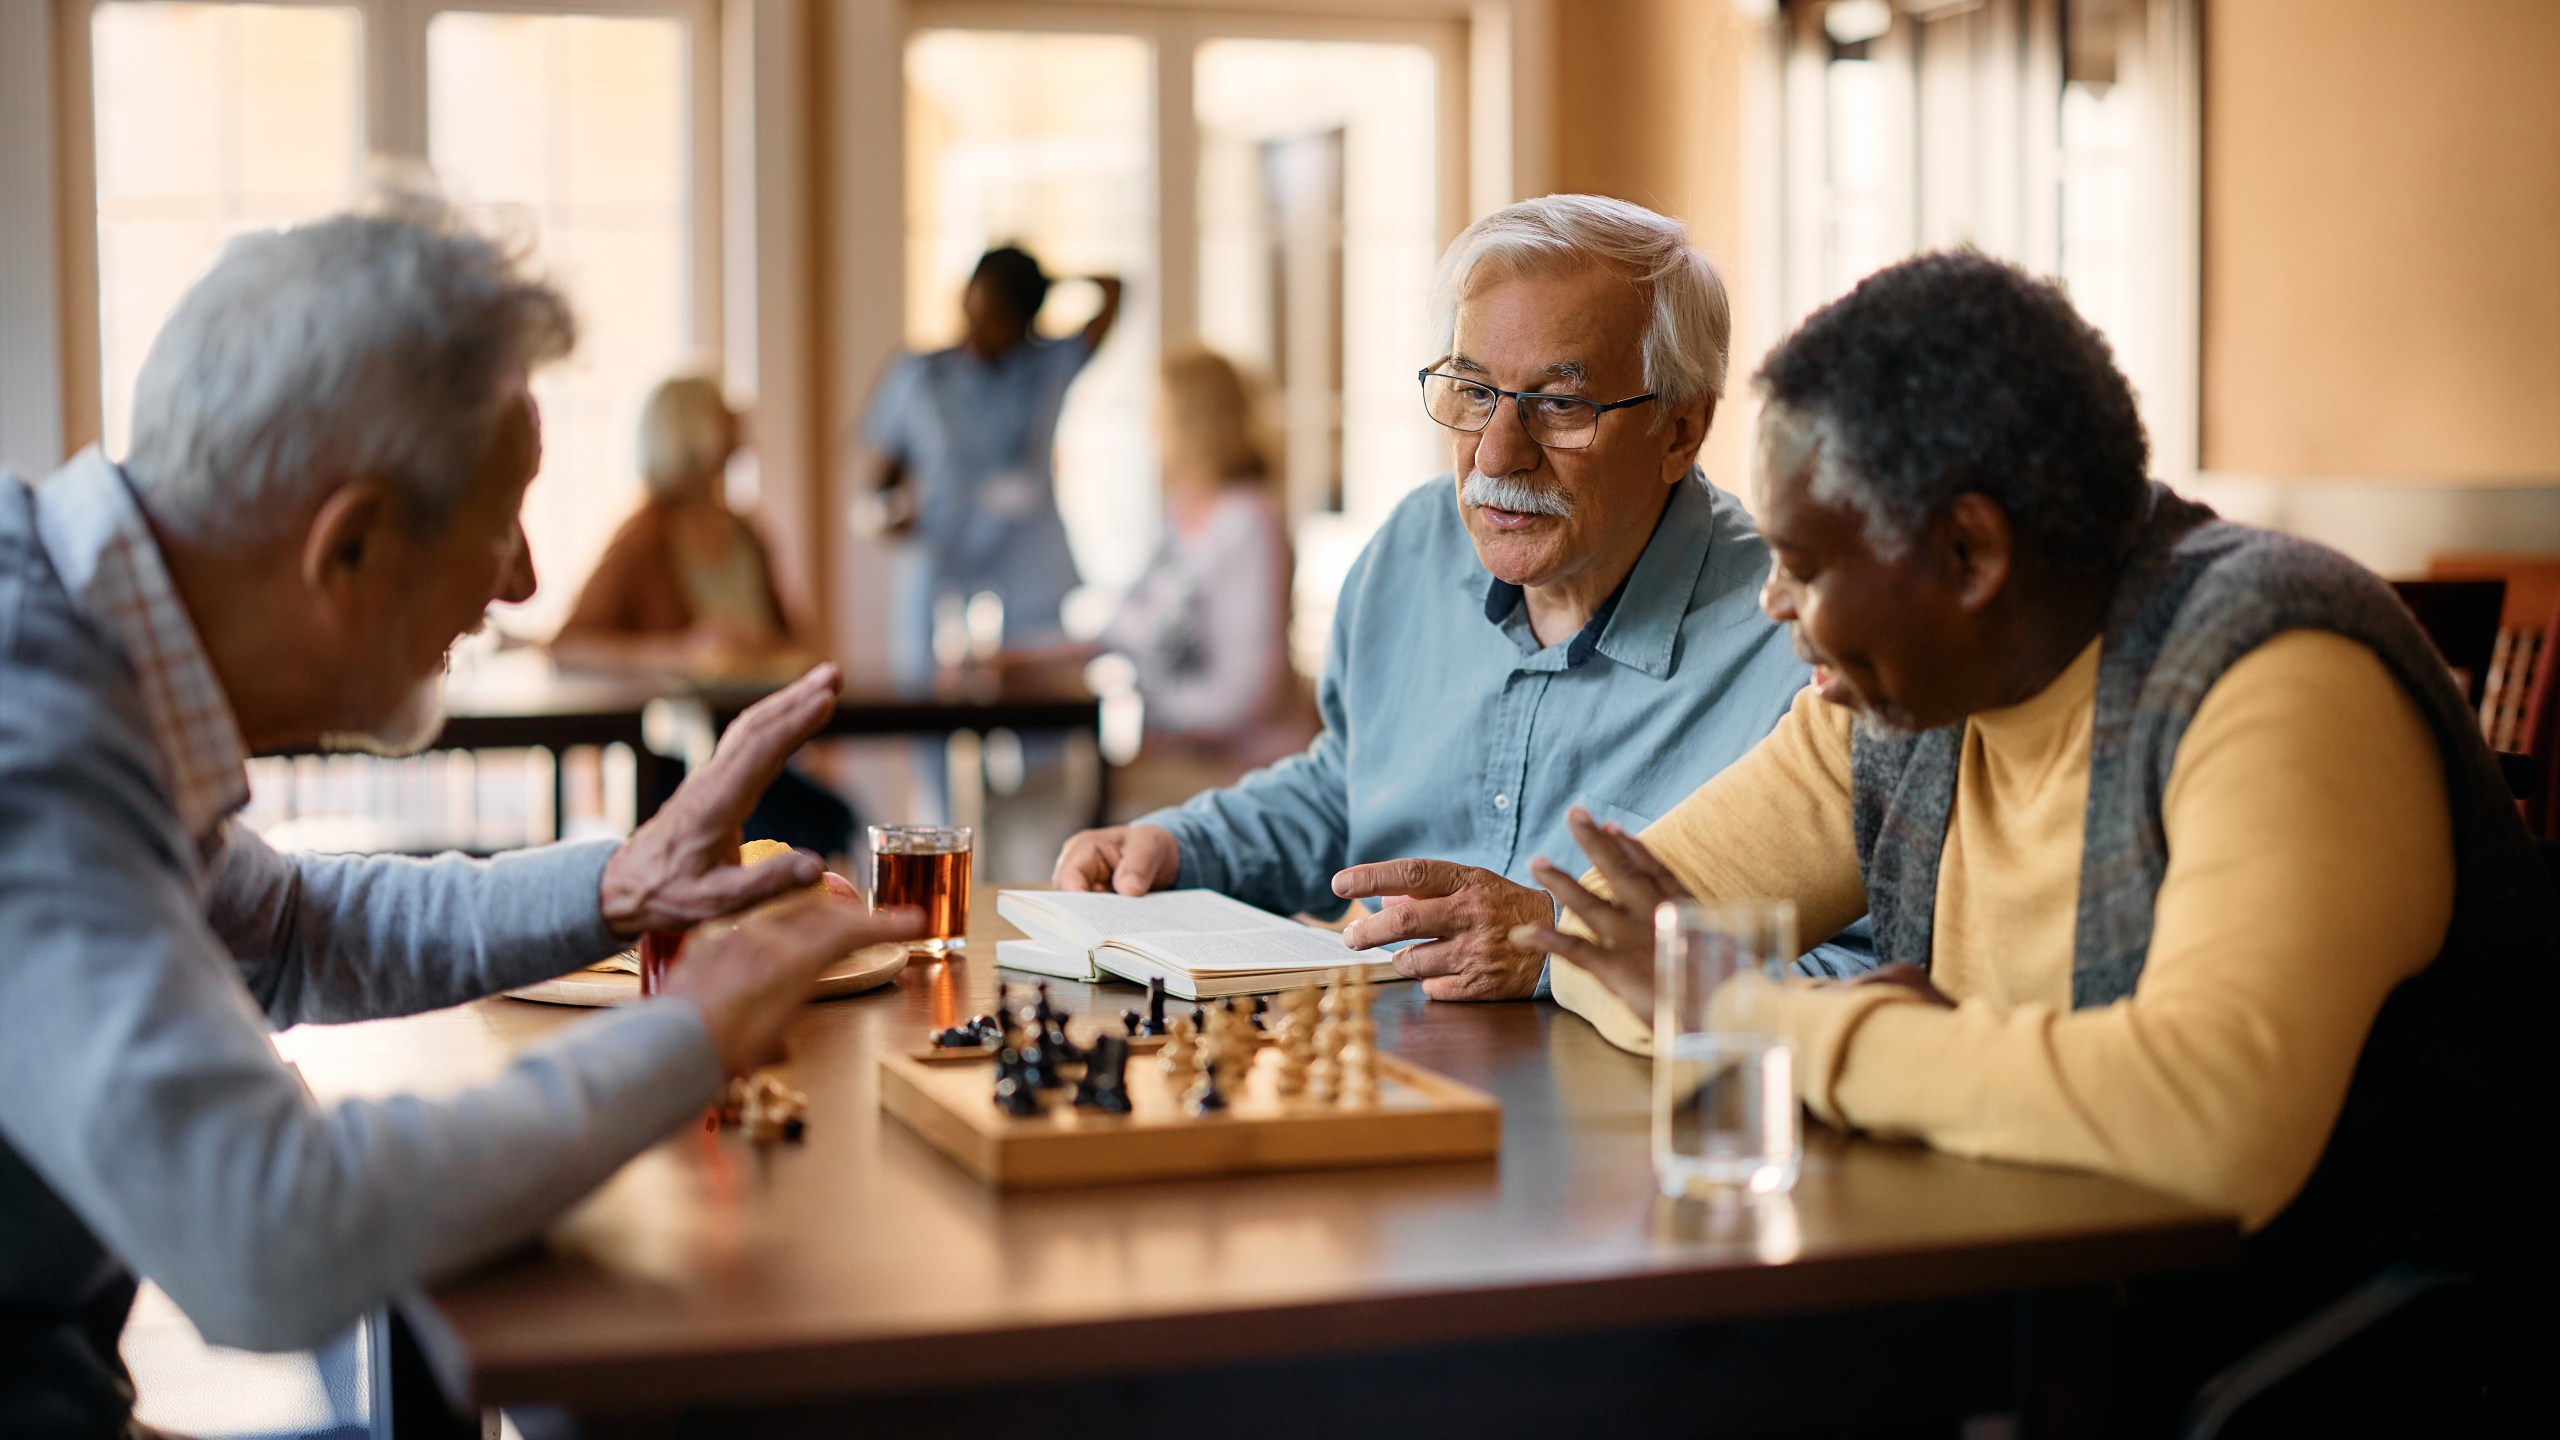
pixel 1682 437
pixel 346 542
pixel 1979 549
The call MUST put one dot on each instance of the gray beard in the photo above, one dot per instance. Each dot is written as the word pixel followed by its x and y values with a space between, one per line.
pixel 1516 496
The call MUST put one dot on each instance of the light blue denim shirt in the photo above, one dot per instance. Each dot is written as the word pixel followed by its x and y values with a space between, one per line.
pixel 1451 733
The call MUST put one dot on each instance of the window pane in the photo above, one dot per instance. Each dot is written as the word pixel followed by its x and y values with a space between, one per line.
pixel 1318 234
pixel 1317 239
pixel 211 120
pixel 571 129
pixel 1047 141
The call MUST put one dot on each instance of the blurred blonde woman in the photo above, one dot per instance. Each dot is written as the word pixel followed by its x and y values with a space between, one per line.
pixel 1208 621
pixel 686 583
pixel 686 587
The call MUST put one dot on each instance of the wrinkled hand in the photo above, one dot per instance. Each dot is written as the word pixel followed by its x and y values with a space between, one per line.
pixel 1620 952
pixel 1468 916
pixel 750 976
pixel 1129 859
pixel 682 867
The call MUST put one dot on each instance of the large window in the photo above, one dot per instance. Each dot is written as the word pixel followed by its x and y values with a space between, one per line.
pixel 2057 133
pixel 1278 191
pixel 585 131
pixel 210 120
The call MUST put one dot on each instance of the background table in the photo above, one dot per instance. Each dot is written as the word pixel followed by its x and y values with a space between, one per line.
pixel 519 699
pixel 861 1266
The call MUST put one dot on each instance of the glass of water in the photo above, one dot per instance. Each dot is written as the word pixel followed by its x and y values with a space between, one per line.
pixel 1724 1093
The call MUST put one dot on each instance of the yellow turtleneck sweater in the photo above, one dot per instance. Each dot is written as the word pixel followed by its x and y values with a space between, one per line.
pixel 2310 871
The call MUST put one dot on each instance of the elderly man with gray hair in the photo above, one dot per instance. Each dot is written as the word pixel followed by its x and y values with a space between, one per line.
pixel 1567 619
pixel 332 439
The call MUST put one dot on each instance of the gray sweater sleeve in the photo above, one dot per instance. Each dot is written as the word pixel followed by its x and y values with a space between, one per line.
pixel 137 1080
pixel 323 938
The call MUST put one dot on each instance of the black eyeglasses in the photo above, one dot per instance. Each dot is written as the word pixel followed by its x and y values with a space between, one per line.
pixel 1559 422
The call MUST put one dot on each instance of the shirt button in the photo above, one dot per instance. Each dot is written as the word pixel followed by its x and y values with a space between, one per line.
pixel 1501 802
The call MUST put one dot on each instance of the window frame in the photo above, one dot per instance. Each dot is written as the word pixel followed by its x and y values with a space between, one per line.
pixel 395 116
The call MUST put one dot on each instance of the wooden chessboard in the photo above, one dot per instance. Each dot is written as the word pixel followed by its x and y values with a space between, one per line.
pixel 948 1097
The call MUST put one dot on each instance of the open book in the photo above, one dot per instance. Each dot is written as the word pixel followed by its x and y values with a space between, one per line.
pixel 1201 943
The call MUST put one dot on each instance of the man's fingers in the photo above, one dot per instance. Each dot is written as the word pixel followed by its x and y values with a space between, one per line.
pixel 1564 946
pixel 727 889
pixel 1413 920
pixel 1608 855
pixel 839 887
pixel 1085 864
pixel 1133 875
pixel 761 740
pixel 1590 909
pixel 1421 962
pixel 1398 877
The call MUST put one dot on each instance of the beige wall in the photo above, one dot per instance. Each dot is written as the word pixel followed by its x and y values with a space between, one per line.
pixel 2382 239
pixel 1648 107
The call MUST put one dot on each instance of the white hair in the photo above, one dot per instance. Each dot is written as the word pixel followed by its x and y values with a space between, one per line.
pixel 360 345
pixel 1688 319
pixel 686 431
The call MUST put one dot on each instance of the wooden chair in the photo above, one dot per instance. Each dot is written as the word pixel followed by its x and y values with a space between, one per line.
pixel 2462 619
pixel 2532 595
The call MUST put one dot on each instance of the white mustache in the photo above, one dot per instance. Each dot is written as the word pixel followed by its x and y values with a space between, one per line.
pixel 1516 496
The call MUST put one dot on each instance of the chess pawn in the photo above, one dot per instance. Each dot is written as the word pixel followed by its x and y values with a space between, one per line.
pixel 1358 1085
pixel 1324 1072
pixel 1179 1048
pixel 1297 1038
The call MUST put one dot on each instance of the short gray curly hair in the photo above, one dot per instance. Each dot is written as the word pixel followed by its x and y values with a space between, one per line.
pixel 367 344
pixel 1689 321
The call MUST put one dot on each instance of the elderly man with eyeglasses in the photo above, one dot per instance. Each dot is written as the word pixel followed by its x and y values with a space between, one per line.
pixel 1567 619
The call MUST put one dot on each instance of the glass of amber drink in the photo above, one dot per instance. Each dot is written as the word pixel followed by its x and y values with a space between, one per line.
pixel 927 867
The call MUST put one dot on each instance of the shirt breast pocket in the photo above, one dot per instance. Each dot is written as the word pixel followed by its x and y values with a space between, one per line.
pixel 1625 817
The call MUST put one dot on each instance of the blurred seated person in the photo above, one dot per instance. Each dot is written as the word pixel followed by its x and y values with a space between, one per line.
pixel 1207 623
pixel 685 587
pixel 1566 616
pixel 2185 859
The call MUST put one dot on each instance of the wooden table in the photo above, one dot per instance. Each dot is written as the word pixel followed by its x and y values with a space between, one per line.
pixel 864 1270
pixel 519 699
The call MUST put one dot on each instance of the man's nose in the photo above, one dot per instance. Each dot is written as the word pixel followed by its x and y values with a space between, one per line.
pixel 1777 600
pixel 516 585
pixel 1506 448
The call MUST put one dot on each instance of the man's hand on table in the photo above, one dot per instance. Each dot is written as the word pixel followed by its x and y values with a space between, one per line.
pixel 1619 950
pixel 1468 915
pixel 1127 859
pixel 748 977
pixel 682 867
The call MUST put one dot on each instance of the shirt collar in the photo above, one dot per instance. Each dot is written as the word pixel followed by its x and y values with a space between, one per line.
pixel 102 549
pixel 1639 624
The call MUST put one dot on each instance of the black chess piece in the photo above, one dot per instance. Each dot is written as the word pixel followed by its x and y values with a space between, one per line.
pixel 1105 1084
pixel 1016 1095
pixel 1044 1014
pixel 1039 1067
pixel 1155 1008
pixel 1210 1096
pixel 1260 1003
pixel 1129 1023
pixel 988 1029
pixel 958 1037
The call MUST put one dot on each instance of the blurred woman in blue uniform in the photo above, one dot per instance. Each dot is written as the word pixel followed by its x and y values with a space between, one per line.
pixel 965 438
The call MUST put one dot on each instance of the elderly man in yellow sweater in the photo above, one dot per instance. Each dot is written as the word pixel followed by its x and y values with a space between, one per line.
pixel 2187 863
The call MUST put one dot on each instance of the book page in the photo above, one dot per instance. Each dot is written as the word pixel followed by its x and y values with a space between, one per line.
pixel 1299 947
pixel 1167 912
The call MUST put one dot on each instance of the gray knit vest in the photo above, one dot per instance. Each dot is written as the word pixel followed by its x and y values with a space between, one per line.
pixel 2197 594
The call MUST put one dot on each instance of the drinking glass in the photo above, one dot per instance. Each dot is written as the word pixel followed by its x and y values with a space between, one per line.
pixel 926 866
pixel 1724 1094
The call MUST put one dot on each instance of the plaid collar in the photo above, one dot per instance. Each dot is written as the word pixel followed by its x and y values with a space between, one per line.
pixel 102 549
